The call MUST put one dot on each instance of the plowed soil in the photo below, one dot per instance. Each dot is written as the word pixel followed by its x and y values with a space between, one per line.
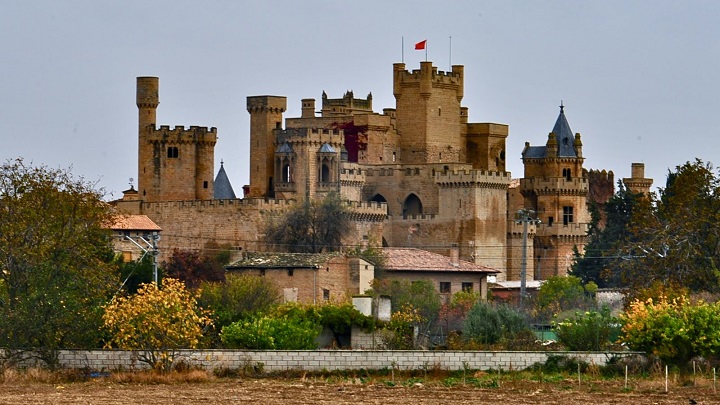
pixel 288 391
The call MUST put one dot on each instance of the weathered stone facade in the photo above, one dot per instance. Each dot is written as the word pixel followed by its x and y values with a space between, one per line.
pixel 417 175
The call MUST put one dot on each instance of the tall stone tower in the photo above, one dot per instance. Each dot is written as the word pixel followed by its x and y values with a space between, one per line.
pixel 555 186
pixel 637 183
pixel 429 114
pixel 266 115
pixel 173 164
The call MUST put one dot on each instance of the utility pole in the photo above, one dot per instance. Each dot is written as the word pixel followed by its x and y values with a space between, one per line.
pixel 525 216
pixel 149 248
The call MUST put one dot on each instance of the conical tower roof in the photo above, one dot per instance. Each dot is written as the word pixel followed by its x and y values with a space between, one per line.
pixel 223 188
pixel 564 135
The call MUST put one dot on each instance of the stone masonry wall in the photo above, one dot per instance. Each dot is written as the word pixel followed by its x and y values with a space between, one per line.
pixel 319 360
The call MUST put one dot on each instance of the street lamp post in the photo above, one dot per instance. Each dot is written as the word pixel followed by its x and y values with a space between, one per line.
pixel 525 216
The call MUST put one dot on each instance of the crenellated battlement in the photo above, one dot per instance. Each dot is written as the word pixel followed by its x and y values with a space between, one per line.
pixel 473 178
pixel 454 78
pixel 578 230
pixel 181 134
pixel 352 175
pixel 254 203
pixel 367 210
pixel 554 184
pixel 308 134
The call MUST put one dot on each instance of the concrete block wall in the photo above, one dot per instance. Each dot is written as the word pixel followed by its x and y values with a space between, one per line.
pixel 319 360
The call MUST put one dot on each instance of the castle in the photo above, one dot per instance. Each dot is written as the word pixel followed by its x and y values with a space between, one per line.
pixel 418 175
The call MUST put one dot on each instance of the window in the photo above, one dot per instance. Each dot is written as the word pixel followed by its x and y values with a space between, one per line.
pixel 412 206
pixel 567 215
pixel 567 173
pixel 290 272
pixel 205 184
pixel 326 294
pixel 325 174
pixel 444 287
pixel 550 221
pixel 286 173
pixel 467 287
pixel 172 152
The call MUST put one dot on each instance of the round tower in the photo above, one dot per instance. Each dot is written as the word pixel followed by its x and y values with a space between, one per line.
pixel 147 100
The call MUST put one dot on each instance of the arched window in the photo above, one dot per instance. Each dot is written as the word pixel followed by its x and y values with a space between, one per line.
pixel 172 152
pixel 286 173
pixel 412 206
pixel 378 198
pixel 325 174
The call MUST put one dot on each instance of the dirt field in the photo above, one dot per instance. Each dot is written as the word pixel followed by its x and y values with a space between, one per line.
pixel 298 391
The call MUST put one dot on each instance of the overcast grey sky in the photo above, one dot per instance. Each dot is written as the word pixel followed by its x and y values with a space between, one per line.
pixel 639 79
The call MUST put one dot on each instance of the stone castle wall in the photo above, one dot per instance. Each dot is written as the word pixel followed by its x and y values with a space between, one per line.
pixel 190 225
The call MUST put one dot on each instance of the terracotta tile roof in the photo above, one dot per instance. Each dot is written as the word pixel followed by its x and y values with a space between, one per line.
pixel 411 259
pixel 268 260
pixel 134 222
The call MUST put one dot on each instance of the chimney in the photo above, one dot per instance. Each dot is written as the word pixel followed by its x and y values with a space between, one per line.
pixel 454 255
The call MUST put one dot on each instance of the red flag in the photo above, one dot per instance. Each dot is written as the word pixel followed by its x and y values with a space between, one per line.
pixel 420 45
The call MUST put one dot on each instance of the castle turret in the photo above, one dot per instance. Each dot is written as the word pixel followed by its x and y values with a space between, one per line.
pixel 308 108
pixel 266 114
pixel 147 100
pixel 429 117
pixel 173 164
pixel 637 183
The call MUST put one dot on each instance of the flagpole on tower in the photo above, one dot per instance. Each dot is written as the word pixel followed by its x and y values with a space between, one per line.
pixel 422 45
pixel 402 50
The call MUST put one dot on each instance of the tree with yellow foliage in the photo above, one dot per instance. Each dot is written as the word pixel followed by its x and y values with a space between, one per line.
pixel 674 330
pixel 156 322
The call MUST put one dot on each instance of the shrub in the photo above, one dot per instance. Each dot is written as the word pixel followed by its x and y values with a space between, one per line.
pixel 488 324
pixel 590 330
pixel 270 333
pixel 399 333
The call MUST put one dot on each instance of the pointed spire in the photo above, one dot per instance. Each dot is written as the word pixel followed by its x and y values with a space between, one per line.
pixel 563 135
pixel 222 188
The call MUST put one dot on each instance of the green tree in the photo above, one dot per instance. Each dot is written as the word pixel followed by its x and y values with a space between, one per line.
pixel 314 226
pixel 678 242
pixel 133 274
pixel 156 321
pixel 56 267
pixel 600 261
pixel 676 331
pixel 420 295
pixel 562 293
pixel 238 297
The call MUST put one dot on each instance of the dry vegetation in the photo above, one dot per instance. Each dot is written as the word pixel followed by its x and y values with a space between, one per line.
pixel 435 386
